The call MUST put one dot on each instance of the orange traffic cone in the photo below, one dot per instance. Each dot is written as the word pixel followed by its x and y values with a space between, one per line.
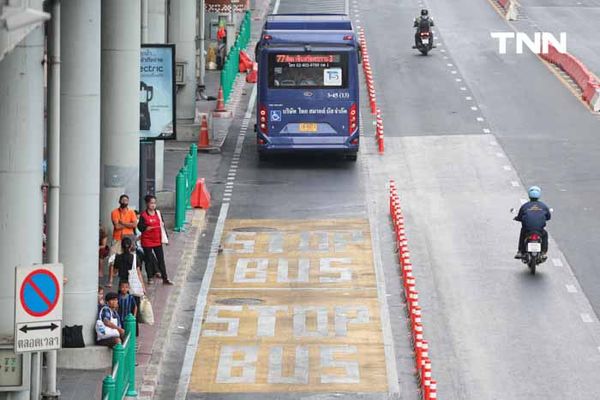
pixel 220 101
pixel 200 195
pixel 203 141
pixel 252 76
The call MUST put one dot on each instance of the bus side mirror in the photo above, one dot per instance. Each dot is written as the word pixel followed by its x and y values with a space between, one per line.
pixel 256 52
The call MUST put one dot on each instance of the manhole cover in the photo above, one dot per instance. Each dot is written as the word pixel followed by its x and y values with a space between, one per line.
pixel 255 229
pixel 238 301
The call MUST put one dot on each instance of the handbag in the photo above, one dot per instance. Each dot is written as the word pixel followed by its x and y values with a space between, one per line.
pixel 164 238
pixel 103 331
pixel 135 286
pixel 72 336
pixel 146 312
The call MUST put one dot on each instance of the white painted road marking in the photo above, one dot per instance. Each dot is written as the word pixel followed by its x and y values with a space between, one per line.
pixel 587 318
pixel 571 288
pixel 556 261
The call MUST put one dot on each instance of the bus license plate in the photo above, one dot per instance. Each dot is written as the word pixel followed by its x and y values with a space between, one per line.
pixel 308 127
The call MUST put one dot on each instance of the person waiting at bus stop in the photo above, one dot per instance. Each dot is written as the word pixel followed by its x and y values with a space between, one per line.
pixel 221 45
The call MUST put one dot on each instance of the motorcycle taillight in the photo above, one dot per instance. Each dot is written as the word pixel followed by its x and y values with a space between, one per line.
pixel 534 236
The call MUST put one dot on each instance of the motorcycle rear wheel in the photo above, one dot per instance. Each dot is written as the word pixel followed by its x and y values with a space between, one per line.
pixel 532 265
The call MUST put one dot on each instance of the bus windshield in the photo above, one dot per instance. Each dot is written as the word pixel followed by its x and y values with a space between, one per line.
pixel 325 70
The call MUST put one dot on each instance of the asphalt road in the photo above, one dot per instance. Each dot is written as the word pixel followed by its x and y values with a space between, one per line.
pixel 466 130
pixel 578 18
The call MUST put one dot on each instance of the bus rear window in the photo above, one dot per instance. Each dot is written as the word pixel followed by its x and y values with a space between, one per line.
pixel 308 70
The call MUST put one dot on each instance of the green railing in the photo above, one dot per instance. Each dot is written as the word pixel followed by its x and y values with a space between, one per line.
pixel 121 382
pixel 232 61
pixel 185 181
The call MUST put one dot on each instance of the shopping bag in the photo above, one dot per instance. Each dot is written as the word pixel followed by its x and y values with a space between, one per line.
pixel 135 285
pixel 146 312
pixel 103 331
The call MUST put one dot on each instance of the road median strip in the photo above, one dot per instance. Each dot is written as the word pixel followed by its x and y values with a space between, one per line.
pixel 411 294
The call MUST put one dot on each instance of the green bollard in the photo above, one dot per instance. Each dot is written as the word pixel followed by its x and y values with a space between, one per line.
pixel 190 185
pixel 130 355
pixel 194 154
pixel 119 359
pixel 109 388
pixel 180 192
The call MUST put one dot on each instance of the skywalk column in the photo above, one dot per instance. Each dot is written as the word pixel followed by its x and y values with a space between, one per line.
pixel 120 108
pixel 157 33
pixel 21 174
pixel 182 32
pixel 80 160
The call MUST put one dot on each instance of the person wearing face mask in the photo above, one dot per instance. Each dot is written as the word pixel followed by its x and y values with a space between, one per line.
pixel 124 223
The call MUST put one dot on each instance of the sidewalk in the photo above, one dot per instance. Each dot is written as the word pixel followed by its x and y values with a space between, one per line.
pixel 179 254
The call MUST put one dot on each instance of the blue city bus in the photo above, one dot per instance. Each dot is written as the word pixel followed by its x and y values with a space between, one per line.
pixel 308 85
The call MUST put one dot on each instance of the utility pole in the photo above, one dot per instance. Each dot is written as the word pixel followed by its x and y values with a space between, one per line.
pixel 53 141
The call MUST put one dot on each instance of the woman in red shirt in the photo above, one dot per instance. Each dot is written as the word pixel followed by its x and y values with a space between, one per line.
pixel 154 235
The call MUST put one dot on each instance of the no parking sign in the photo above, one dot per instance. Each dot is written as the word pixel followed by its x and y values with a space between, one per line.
pixel 38 307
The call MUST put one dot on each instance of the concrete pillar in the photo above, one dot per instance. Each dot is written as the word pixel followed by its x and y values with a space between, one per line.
pixel 182 32
pixel 157 33
pixel 120 109
pixel 202 39
pixel 80 160
pixel 157 21
pixel 21 174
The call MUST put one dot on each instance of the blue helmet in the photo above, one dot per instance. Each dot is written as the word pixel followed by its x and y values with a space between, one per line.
pixel 534 192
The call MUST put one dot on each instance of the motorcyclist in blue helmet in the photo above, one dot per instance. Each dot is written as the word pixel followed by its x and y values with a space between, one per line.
pixel 533 216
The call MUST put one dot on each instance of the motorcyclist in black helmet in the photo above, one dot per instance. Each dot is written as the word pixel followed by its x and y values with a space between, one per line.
pixel 423 23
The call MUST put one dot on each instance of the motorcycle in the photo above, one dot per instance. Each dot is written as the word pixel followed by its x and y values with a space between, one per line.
pixel 425 42
pixel 533 255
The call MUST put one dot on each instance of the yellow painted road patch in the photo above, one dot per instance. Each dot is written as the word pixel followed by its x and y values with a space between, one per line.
pixel 292 307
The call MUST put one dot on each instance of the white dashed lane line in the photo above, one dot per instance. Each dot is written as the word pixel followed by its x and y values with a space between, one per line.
pixel 587 318
pixel 507 168
pixel 486 130
pixel 515 184
pixel 571 288
pixel 557 262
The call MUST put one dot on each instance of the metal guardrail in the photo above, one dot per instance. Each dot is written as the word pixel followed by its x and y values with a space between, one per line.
pixel 121 382
pixel 232 62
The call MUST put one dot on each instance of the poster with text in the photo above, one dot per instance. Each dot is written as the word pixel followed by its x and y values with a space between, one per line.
pixel 157 91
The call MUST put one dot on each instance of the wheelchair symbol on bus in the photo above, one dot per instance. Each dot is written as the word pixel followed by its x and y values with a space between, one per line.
pixel 276 115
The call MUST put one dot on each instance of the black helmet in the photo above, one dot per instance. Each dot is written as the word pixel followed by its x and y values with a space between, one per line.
pixel 424 12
